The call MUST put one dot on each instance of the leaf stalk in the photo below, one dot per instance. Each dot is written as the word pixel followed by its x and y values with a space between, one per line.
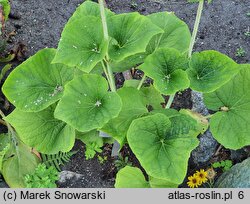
pixel 196 27
pixel 108 71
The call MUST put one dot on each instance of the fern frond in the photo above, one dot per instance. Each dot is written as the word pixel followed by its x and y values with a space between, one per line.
pixel 58 159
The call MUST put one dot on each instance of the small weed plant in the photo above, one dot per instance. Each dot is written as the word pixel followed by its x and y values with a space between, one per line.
pixel 240 52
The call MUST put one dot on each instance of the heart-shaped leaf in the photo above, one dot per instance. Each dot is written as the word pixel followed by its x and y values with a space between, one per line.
pixel 160 183
pixel 185 122
pixel 20 162
pixel 131 83
pixel 36 84
pixel 230 126
pixel 89 8
pixel 125 64
pixel 130 34
pixel 82 44
pixel 209 70
pixel 166 66
pixel 130 177
pixel 87 104
pixel 152 97
pixel 42 131
pixel 132 107
pixel 163 148
pixel 176 32
pixel 128 62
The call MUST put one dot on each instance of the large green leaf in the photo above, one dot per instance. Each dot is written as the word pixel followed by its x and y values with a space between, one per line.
pixel 89 8
pixel 130 34
pixel 36 84
pixel 130 177
pixel 209 70
pixel 131 83
pixel 93 142
pixel 90 137
pixel 160 183
pixel 4 147
pixel 185 122
pixel 163 148
pixel 19 162
pixel 128 62
pixel 166 66
pixel 87 104
pixel 152 97
pixel 132 108
pixel 176 32
pixel 230 126
pixel 82 44
pixel 42 131
pixel 125 64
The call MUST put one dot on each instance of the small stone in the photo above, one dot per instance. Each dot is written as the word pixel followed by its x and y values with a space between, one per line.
pixel 69 179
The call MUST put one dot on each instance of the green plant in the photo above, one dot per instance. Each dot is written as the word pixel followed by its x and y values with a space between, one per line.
pixel 5 9
pixel 60 95
pixel 93 143
pixel 56 160
pixel 134 5
pixel 102 159
pixel 247 33
pixel 4 70
pixel 122 162
pixel 225 165
pixel 42 177
pixel 16 158
pixel 4 13
pixel 248 14
pixel 240 52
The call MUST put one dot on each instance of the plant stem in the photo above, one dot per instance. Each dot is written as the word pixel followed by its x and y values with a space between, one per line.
pixel 196 27
pixel 111 78
pixel 105 71
pixel 191 46
pixel 2 122
pixel 208 116
pixel 104 21
pixel 141 82
pixel 170 101
pixel 106 38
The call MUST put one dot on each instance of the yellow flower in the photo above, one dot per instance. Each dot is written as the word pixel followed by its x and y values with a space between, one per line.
pixel 193 182
pixel 202 175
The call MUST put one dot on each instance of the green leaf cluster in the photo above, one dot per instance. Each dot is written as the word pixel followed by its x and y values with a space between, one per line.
pixel 56 160
pixel 122 162
pixel 42 177
pixel 226 165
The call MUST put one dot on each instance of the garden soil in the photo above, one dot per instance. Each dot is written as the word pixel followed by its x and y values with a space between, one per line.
pixel 38 23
